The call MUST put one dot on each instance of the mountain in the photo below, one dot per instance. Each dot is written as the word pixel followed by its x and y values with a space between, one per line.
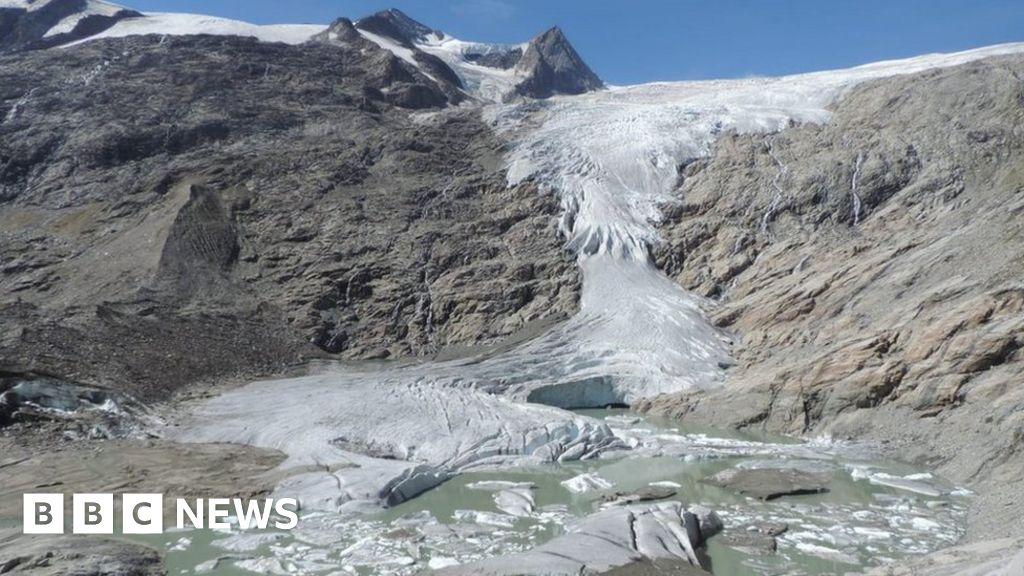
pixel 545 66
pixel 550 65
pixel 436 248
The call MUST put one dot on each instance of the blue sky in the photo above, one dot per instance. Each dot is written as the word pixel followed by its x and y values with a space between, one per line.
pixel 645 40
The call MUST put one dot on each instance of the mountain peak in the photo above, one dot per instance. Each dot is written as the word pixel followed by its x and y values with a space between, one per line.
pixel 394 24
pixel 552 66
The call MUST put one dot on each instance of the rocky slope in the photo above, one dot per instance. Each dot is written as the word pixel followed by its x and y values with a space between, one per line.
pixel 177 208
pixel 871 271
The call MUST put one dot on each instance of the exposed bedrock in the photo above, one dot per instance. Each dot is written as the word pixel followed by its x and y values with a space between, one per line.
pixel 550 65
pixel 661 538
pixel 268 204
pixel 871 269
pixel 359 440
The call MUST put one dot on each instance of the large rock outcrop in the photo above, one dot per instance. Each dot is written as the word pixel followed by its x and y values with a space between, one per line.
pixel 192 207
pixel 550 65
pixel 871 269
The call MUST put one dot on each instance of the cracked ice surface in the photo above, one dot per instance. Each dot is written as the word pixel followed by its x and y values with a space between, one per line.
pixel 360 441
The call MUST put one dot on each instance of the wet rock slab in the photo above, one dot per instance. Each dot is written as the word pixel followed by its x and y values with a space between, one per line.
pixel 755 539
pixel 771 483
pixel 644 494
pixel 55 555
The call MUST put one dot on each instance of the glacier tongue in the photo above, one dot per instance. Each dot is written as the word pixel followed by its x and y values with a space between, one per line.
pixel 370 439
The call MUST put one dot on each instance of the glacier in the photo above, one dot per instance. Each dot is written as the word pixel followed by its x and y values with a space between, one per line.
pixel 359 438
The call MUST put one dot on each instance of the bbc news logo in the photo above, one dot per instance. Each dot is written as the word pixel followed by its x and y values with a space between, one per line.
pixel 144 513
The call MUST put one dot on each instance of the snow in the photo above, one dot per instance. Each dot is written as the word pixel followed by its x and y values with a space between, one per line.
pixel 395 48
pixel 389 44
pixel 175 24
pixel 484 82
pixel 24 4
pixel 92 8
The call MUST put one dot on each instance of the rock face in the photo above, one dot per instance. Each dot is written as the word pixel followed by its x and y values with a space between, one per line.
pixel 268 203
pixel 551 66
pixel 607 540
pixel 870 268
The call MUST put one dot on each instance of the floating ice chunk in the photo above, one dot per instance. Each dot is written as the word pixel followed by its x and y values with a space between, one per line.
pixel 924 524
pixel 246 542
pixel 667 484
pixel 515 501
pixel 438 562
pixel 872 533
pixel 903 483
pixel 619 420
pixel 263 566
pixel 181 545
pixel 826 553
pixel 486 518
pixel 496 485
pixel 585 483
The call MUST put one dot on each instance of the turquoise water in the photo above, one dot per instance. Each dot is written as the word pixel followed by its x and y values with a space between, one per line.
pixel 855 524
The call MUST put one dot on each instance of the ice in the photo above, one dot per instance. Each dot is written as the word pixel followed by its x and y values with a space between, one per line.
pixel 921 483
pixel 438 562
pixel 496 485
pixel 246 542
pixel 826 553
pixel 486 518
pixel 515 501
pixel 585 483
pixel 483 82
pixel 363 441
